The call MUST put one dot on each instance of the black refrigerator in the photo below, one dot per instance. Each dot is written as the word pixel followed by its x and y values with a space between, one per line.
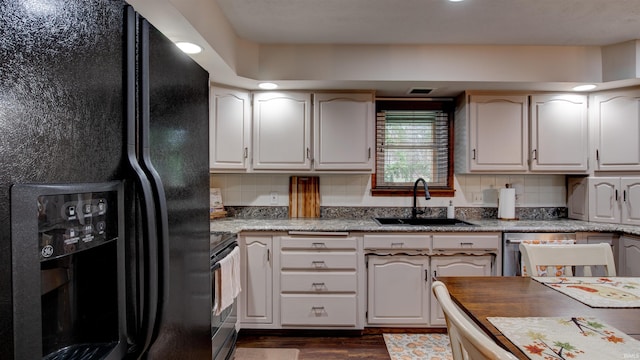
pixel 104 148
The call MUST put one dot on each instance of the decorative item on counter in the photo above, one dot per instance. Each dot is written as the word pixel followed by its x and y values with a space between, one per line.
pixel 304 197
pixel 451 210
pixel 216 208
pixel 507 203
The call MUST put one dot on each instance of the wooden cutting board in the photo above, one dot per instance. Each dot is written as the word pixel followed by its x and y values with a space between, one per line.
pixel 304 197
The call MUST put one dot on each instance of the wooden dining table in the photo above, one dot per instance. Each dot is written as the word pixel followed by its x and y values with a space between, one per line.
pixel 504 296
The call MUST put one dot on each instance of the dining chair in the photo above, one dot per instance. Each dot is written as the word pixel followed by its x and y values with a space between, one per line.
pixel 580 256
pixel 468 341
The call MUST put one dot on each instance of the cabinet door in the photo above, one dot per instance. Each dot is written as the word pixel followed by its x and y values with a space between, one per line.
pixel 343 131
pixel 281 131
pixel 577 200
pixel 456 265
pixel 629 256
pixel 603 199
pixel 256 305
pixel 398 289
pixel 498 133
pixel 230 129
pixel 630 200
pixel 617 131
pixel 559 129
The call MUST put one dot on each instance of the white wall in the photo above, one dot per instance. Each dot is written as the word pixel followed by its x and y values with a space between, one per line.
pixel 354 190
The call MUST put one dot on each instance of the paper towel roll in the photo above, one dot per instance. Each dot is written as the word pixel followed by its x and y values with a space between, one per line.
pixel 507 204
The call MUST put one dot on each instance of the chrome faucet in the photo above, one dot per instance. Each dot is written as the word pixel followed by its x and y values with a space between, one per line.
pixel 427 196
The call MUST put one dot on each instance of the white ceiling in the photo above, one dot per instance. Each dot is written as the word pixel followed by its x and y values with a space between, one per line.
pixel 481 22
pixel 332 25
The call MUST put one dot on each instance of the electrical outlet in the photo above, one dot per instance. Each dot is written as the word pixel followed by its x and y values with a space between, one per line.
pixel 477 198
pixel 273 198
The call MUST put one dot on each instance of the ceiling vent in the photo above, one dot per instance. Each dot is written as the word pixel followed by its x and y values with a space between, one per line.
pixel 419 91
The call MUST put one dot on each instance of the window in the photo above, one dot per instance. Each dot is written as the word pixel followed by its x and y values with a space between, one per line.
pixel 414 139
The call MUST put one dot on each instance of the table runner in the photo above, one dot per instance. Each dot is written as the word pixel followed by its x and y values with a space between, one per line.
pixel 567 338
pixel 598 292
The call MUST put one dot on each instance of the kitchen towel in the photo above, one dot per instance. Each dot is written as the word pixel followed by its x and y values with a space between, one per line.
pixel 227 280
pixel 507 204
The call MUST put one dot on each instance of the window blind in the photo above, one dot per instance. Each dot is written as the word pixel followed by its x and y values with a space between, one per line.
pixel 412 144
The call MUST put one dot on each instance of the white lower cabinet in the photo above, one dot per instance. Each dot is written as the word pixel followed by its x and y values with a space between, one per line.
pixel 320 280
pixel 256 297
pixel 629 256
pixel 311 310
pixel 318 283
pixel 398 290
pixel 457 265
pixel 597 238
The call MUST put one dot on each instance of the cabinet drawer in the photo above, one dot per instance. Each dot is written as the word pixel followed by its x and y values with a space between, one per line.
pixel 318 282
pixel 467 242
pixel 318 261
pixel 391 241
pixel 318 243
pixel 318 310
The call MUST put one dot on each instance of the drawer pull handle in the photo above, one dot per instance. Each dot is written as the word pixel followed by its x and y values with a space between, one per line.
pixel 318 310
pixel 318 264
pixel 318 245
pixel 318 286
pixel 397 245
pixel 466 244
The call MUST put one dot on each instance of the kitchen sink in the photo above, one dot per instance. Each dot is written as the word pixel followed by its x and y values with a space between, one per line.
pixel 422 221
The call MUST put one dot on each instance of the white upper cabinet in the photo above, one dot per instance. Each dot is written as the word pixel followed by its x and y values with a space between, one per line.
pixel 292 131
pixel 559 133
pixel 498 133
pixel 343 131
pixel 617 131
pixel 502 133
pixel 282 131
pixel 230 129
pixel 630 200
pixel 604 205
pixel 614 200
pixel 578 198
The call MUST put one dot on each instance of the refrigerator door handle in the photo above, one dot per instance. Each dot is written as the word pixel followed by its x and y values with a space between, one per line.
pixel 157 187
pixel 149 308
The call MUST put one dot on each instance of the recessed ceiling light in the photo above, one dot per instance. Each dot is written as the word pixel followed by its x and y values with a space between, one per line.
pixel 584 87
pixel 456 0
pixel 267 86
pixel 189 48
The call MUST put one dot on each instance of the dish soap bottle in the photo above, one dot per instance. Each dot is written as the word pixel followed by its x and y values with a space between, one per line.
pixel 451 210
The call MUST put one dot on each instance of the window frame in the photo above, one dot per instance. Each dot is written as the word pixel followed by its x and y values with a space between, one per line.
pixel 446 105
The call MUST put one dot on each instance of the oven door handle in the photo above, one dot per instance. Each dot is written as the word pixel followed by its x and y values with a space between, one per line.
pixel 510 241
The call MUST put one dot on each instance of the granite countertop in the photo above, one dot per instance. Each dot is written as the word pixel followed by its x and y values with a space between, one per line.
pixel 236 225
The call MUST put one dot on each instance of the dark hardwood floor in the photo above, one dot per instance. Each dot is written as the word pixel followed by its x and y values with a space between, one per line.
pixel 326 344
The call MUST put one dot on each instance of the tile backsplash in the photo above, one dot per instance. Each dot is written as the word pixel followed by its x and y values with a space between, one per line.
pixel 354 190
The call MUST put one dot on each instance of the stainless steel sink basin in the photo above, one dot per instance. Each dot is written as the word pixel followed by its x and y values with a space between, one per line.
pixel 421 221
